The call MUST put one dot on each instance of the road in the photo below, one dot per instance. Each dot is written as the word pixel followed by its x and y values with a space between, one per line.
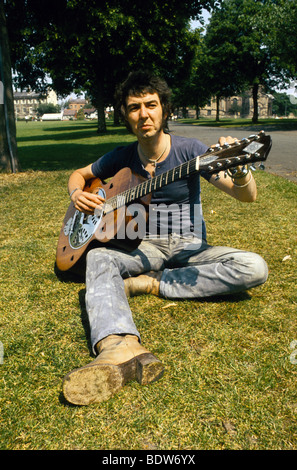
pixel 282 159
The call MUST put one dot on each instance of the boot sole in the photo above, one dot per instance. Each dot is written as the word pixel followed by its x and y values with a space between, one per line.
pixel 99 382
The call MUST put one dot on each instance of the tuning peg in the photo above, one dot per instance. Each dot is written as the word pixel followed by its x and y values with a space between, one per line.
pixel 225 174
pixel 252 168
pixel 261 166
pixel 217 177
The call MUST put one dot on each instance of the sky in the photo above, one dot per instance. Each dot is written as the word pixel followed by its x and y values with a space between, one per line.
pixel 206 15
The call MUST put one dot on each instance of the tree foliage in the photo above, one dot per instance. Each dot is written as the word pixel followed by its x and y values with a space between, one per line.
pixel 92 45
pixel 241 47
pixel 282 106
pixel 193 89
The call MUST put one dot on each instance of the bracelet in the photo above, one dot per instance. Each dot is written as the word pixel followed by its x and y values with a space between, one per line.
pixel 243 185
pixel 237 173
pixel 73 191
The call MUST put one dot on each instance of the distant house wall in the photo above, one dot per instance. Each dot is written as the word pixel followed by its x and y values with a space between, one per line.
pixel 244 102
pixel 26 103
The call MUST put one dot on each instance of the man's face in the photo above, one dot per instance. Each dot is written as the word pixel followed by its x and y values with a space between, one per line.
pixel 144 114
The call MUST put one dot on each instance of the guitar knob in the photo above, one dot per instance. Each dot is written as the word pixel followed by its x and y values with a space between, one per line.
pixel 217 177
pixel 252 168
pixel 261 166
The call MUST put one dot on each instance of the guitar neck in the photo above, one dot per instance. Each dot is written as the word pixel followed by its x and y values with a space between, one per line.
pixel 255 148
pixel 157 182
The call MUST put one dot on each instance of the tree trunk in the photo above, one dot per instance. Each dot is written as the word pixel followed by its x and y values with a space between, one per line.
pixel 8 146
pixel 100 107
pixel 255 102
pixel 197 111
pixel 217 108
pixel 116 116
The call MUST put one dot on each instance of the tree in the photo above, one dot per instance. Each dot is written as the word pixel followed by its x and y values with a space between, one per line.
pixel 193 87
pixel 239 38
pixel 103 40
pixel 283 34
pixel 45 108
pixel 8 146
pixel 282 105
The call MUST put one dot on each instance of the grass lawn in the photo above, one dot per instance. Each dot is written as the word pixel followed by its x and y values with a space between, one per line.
pixel 229 383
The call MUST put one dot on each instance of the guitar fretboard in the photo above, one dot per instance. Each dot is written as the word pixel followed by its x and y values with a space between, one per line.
pixel 155 183
pixel 248 150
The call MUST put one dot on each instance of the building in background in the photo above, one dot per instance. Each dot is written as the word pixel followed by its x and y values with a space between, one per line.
pixel 239 106
pixel 26 103
pixel 77 104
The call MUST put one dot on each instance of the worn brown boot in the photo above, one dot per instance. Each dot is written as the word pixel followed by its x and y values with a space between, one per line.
pixel 120 359
pixel 148 283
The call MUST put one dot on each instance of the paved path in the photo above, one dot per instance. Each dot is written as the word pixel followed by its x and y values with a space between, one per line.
pixel 282 159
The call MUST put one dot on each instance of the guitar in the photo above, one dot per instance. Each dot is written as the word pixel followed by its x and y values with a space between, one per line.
pixel 126 189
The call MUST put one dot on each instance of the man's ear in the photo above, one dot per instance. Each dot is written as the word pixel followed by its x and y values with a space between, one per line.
pixel 123 111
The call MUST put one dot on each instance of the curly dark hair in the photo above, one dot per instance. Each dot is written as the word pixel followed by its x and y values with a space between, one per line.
pixel 138 83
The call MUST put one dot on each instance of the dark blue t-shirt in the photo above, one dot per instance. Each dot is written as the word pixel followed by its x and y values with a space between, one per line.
pixel 175 207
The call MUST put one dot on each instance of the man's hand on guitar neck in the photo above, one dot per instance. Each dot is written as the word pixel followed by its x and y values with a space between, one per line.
pixel 243 187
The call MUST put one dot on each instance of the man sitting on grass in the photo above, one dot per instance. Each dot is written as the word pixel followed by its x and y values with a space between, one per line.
pixel 178 264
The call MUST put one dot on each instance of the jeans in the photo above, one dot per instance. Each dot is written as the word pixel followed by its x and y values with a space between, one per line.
pixel 191 269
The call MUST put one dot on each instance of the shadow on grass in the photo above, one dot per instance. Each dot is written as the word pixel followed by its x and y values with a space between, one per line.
pixel 70 133
pixel 55 147
pixel 66 156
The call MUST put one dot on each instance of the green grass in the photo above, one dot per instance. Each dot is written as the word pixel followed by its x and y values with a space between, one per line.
pixel 229 381
pixel 49 146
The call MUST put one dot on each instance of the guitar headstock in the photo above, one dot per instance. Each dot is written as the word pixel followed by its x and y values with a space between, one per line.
pixel 246 151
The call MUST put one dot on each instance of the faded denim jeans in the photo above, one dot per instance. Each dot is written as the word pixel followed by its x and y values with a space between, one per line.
pixel 191 270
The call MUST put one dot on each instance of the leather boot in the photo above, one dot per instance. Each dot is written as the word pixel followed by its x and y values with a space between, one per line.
pixel 120 359
pixel 148 283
